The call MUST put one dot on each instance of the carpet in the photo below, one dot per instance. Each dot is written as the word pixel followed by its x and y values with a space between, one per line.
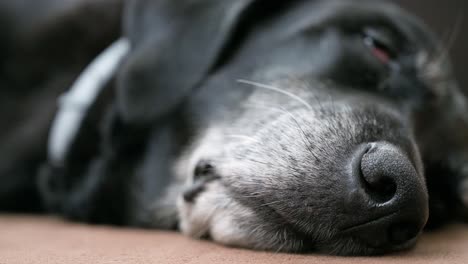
pixel 34 240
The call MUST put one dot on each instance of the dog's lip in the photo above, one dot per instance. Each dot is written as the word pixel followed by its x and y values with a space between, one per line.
pixel 385 247
pixel 367 249
pixel 368 222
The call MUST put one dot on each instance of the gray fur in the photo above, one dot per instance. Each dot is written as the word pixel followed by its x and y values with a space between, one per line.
pixel 280 133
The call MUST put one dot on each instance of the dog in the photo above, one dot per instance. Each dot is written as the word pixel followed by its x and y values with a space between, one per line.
pixel 292 126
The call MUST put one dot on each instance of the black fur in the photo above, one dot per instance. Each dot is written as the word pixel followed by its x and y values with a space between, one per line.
pixel 179 80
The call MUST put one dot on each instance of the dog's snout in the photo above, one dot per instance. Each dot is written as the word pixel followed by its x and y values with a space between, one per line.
pixel 389 195
pixel 377 179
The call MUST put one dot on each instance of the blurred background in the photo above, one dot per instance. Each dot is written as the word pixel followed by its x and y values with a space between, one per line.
pixel 443 16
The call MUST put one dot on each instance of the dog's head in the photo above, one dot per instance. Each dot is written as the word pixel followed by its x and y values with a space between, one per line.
pixel 312 119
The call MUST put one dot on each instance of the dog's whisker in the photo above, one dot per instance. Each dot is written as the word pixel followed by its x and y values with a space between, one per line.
pixel 283 245
pixel 453 35
pixel 278 90
pixel 285 111
pixel 308 146
pixel 265 107
pixel 270 203
pixel 433 63
pixel 243 137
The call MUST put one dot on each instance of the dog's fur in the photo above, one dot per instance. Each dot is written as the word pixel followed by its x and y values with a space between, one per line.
pixel 244 121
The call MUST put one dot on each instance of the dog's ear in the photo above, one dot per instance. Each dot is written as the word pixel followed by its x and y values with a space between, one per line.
pixel 175 44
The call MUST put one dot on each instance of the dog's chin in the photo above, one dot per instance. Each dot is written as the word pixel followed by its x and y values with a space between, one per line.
pixel 215 215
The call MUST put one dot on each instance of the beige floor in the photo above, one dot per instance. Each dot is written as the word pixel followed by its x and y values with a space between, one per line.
pixel 31 240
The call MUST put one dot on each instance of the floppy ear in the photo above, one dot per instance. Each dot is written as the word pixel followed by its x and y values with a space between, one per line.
pixel 175 44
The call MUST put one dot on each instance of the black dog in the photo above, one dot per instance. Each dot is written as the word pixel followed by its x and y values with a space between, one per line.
pixel 332 126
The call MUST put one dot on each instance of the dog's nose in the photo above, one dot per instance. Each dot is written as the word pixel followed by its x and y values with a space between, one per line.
pixel 388 198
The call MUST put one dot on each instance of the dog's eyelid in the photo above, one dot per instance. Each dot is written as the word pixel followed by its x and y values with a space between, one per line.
pixel 382 38
pixel 384 45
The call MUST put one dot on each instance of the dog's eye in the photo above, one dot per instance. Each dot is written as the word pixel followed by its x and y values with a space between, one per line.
pixel 380 44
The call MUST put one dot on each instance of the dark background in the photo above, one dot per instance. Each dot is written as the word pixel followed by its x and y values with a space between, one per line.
pixel 442 17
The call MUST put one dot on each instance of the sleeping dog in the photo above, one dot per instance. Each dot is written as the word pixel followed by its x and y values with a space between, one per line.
pixel 328 126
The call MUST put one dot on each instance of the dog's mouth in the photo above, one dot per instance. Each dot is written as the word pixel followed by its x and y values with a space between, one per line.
pixel 397 236
pixel 215 215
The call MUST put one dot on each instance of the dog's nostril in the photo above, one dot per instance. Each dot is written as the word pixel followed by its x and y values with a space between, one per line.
pixel 402 232
pixel 380 188
pixel 378 178
pixel 203 169
pixel 203 173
